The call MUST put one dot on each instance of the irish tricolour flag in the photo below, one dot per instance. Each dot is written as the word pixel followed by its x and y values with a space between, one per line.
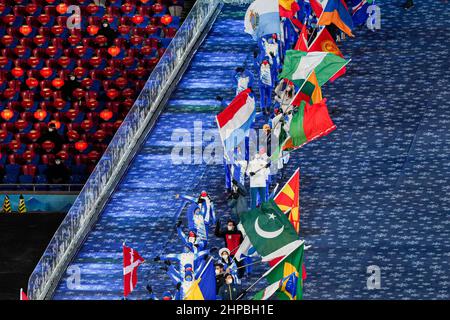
pixel 235 120
pixel 298 65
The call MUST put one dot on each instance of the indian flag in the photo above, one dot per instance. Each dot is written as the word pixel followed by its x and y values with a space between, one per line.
pixel 298 66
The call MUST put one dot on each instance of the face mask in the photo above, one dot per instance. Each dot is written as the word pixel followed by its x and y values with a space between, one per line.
pixel 57 162
pixel 50 130
pixel 230 228
pixel 191 240
pixel 229 281
pixel 225 257
pixel 105 25
pixel 217 272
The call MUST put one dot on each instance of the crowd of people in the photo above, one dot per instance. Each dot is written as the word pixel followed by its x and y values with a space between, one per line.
pixel 275 103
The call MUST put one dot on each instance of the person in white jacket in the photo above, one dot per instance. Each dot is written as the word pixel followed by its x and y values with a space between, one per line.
pixel 258 170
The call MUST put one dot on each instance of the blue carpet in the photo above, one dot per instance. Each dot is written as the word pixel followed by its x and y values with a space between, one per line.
pixel 374 192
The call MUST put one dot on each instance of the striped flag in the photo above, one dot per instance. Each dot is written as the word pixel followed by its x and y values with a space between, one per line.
pixel 289 199
pixel 298 65
pixel 235 121
pixel 131 261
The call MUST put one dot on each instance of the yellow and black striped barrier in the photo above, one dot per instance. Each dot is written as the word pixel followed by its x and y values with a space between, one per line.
pixel 6 205
pixel 22 206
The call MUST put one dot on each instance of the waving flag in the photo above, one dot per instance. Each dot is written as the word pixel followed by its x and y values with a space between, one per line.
pixel 309 123
pixel 335 12
pixel 269 230
pixel 262 17
pixel 299 65
pixel 317 7
pixel 325 43
pixel 285 277
pixel 234 121
pixel 289 199
pixel 204 287
pixel 131 261
pixel 359 11
pixel 302 42
pixel 288 8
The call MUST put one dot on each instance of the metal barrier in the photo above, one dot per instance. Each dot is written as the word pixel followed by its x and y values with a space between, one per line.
pixel 40 187
pixel 100 184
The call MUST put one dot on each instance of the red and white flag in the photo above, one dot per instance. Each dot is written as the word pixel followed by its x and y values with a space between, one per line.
pixel 131 261
pixel 23 295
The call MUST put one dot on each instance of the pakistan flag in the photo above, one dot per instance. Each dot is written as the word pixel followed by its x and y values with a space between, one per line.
pixel 269 231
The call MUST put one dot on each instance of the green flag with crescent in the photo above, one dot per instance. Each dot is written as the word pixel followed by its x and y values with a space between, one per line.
pixel 269 230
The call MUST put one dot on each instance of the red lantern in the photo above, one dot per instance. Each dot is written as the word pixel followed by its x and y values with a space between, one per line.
pixel 7 40
pixel 112 93
pixel 64 61
pixel 57 82
pixel 40 114
pixel 9 93
pixel 92 30
pixel 9 19
pixel 48 145
pixel 21 124
pixel 151 29
pixel 93 155
pixel 61 8
pixel 31 8
pixel 32 83
pixel 114 50
pixel 33 135
pixel 137 19
pixel 106 114
pixel 25 30
pixel 57 30
pixel 157 8
pixel 39 40
pixel 166 19
pixel 51 51
pixel 44 19
pixel 92 8
pixel 7 114
pixel 17 72
pixel 73 135
pixel 81 145
pixel 3 135
pixel 46 72
pixel 3 61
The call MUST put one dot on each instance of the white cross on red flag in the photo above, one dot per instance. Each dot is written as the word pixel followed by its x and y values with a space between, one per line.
pixel 131 262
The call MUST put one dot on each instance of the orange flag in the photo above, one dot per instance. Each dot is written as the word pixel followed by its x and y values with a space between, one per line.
pixel 289 199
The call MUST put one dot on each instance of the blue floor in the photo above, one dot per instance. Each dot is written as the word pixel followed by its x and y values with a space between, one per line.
pixel 374 192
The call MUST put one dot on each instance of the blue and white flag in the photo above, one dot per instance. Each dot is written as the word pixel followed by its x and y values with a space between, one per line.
pixel 262 18
pixel 359 10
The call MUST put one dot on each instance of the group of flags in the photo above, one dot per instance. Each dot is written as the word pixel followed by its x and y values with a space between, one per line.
pixel 272 229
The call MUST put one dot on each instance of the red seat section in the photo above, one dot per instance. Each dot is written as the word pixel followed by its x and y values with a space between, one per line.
pixel 81 82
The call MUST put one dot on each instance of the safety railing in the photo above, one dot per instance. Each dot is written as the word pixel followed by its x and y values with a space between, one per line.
pixel 40 187
pixel 85 209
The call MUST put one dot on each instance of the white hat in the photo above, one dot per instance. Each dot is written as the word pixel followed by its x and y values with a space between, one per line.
pixel 224 250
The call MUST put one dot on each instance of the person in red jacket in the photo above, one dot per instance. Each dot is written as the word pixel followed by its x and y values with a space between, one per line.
pixel 232 236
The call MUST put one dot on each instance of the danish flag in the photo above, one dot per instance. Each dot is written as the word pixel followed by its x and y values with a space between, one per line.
pixel 23 295
pixel 131 261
